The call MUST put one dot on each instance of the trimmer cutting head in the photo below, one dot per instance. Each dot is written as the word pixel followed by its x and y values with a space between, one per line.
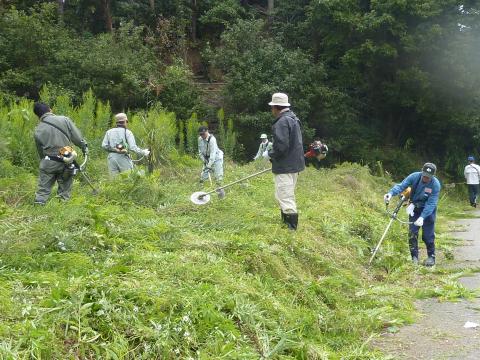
pixel 200 198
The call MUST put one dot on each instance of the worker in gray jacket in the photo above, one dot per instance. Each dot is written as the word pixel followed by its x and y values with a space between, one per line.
pixel 118 142
pixel 212 158
pixel 286 156
pixel 54 136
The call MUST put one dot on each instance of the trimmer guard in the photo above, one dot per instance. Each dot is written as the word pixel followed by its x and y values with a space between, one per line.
pixel 200 198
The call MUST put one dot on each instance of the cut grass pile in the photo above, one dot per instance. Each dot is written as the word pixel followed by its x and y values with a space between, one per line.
pixel 138 272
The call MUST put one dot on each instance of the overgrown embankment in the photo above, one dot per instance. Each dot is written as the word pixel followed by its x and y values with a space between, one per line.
pixel 139 272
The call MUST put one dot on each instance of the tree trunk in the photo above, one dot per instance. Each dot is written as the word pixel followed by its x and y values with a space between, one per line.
pixel 152 5
pixel 60 10
pixel 107 15
pixel 194 20
pixel 61 4
pixel 270 8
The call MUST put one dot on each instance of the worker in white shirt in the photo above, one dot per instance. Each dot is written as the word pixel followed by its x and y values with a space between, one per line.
pixel 472 175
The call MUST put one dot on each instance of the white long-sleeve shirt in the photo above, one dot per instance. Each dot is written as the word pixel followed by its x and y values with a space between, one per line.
pixel 472 174
pixel 261 149
pixel 208 150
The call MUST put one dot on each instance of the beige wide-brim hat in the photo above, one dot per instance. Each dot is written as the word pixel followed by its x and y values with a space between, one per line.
pixel 121 118
pixel 279 99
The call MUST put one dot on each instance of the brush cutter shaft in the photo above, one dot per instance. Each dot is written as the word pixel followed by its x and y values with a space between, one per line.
pixel 82 165
pixel 399 206
pixel 89 182
pixel 236 182
pixel 393 217
pixel 380 242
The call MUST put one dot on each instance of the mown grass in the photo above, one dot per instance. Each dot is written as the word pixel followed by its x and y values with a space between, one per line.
pixel 138 272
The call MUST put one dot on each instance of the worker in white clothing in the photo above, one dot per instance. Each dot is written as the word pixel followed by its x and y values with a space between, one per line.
pixel 472 176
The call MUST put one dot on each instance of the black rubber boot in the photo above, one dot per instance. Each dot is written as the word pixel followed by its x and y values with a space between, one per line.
pixel 292 221
pixel 284 220
pixel 413 244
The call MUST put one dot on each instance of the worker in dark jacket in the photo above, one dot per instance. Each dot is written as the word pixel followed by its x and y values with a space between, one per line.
pixel 316 153
pixel 422 210
pixel 286 156
pixel 54 136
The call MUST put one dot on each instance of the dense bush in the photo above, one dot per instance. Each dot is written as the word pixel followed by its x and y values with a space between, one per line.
pixel 119 66
pixel 155 128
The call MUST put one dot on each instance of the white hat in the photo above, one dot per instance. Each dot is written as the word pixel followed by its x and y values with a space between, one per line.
pixel 279 99
pixel 263 136
pixel 121 117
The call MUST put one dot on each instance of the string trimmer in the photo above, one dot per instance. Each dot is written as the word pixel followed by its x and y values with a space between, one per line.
pixel 404 196
pixel 81 170
pixel 201 198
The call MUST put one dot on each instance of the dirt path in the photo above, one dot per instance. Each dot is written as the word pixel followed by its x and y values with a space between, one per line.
pixel 440 332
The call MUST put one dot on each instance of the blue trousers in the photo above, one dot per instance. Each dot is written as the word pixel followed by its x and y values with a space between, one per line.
pixel 473 193
pixel 428 233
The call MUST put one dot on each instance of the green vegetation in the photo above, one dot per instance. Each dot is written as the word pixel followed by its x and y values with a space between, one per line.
pixel 140 272
pixel 376 80
pixel 156 128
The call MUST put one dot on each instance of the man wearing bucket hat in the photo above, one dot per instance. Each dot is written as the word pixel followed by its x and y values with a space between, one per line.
pixel 263 146
pixel 472 176
pixel 287 157
pixel 54 136
pixel 118 142
pixel 212 158
pixel 422 209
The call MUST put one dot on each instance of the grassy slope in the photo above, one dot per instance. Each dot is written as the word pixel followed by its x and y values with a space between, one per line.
pixel 139 272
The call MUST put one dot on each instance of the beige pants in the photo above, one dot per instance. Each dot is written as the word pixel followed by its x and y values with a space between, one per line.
pixel 285 192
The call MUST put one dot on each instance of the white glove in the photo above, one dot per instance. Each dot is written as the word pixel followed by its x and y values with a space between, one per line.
pixel 410 209
pixel 418 222
pixel 387 197
pixel 146 152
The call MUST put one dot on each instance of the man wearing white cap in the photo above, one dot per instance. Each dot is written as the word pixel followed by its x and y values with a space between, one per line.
pixel 118 142
pixel 286 156
pixel 263 146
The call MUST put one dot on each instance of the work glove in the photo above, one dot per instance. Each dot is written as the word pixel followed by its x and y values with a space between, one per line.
pixel 387 197
pixel 418 222
pixel 146 152
pixel 410 209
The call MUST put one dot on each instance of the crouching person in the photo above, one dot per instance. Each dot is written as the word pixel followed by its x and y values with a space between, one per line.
pixel 422 209
pixel 212 158
pixel 54 136
pixel 118 142
pixel 316 153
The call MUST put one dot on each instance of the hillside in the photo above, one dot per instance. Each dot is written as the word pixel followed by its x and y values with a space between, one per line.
pixel 138 272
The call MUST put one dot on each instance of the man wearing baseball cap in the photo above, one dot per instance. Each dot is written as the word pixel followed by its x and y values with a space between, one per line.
pixel 422 209
pixel 472 176
pixel 286 156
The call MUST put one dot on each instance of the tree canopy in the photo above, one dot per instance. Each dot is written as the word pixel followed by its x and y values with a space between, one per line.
pixel 390 80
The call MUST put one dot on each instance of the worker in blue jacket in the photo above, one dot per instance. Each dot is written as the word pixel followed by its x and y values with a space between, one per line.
pixel 422 209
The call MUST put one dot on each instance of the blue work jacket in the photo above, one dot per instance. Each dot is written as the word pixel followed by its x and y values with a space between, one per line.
pixel 424 195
